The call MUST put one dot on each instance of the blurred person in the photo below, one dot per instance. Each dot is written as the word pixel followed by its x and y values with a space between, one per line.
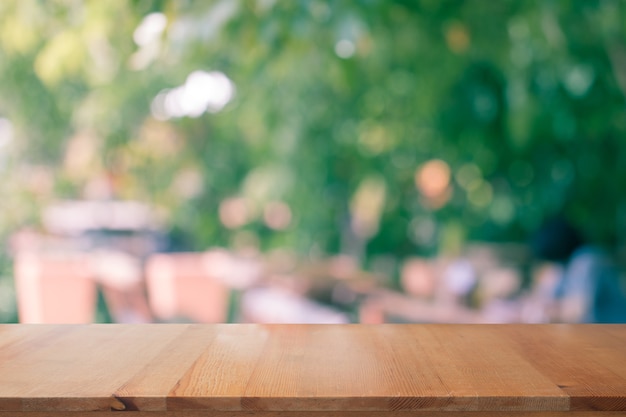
pixel 588 288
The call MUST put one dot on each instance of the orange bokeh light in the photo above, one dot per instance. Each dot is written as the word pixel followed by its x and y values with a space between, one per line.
pixel 432 178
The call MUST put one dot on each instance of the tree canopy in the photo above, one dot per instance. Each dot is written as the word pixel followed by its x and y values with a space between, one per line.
pixel 368 127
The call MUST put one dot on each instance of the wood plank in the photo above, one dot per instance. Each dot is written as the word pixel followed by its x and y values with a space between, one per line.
pixel 148 389
pixel 562 353
pixel 83 368
pixel 313 370
pixel 390 367
pixel 18 341
pixel 483 372
pixel 616 330
pixel 334 367
pixel 603 347
pixel 218 379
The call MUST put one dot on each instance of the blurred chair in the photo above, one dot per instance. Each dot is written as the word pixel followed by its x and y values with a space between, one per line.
pixel 120 276
pixel 181 287
pixel 54 288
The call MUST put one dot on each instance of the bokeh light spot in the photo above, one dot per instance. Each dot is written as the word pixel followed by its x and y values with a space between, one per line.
pixel 234 212
pixel 277 215
pixel 468 174
pixel 433 178
pixel 345 49
pixel 481 195
pixel 202 92
pixel 150 29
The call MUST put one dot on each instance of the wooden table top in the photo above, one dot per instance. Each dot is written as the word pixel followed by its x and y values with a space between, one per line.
pixel 302 370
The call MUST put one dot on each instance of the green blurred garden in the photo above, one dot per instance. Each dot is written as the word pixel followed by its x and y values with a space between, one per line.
pixel 375 129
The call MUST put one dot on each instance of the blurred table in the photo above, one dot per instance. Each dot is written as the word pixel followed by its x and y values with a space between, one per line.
pixel 312 370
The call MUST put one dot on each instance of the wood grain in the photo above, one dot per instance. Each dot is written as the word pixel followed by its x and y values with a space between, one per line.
pixel 313 370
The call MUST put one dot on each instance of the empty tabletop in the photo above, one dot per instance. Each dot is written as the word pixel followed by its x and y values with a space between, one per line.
pixel 312 370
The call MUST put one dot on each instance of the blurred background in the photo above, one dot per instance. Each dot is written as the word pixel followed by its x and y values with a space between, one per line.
pixel 312 161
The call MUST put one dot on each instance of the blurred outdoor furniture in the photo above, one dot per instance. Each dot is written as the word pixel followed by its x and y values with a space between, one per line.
pixel 85 246
pixel 61 287
pixel 121 279
pixel 55 273
pixel 277 305
pixel 181 287
pixel 383 306
pixel 54 288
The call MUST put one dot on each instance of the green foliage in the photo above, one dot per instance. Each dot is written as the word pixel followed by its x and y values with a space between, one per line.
pixel 523 101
